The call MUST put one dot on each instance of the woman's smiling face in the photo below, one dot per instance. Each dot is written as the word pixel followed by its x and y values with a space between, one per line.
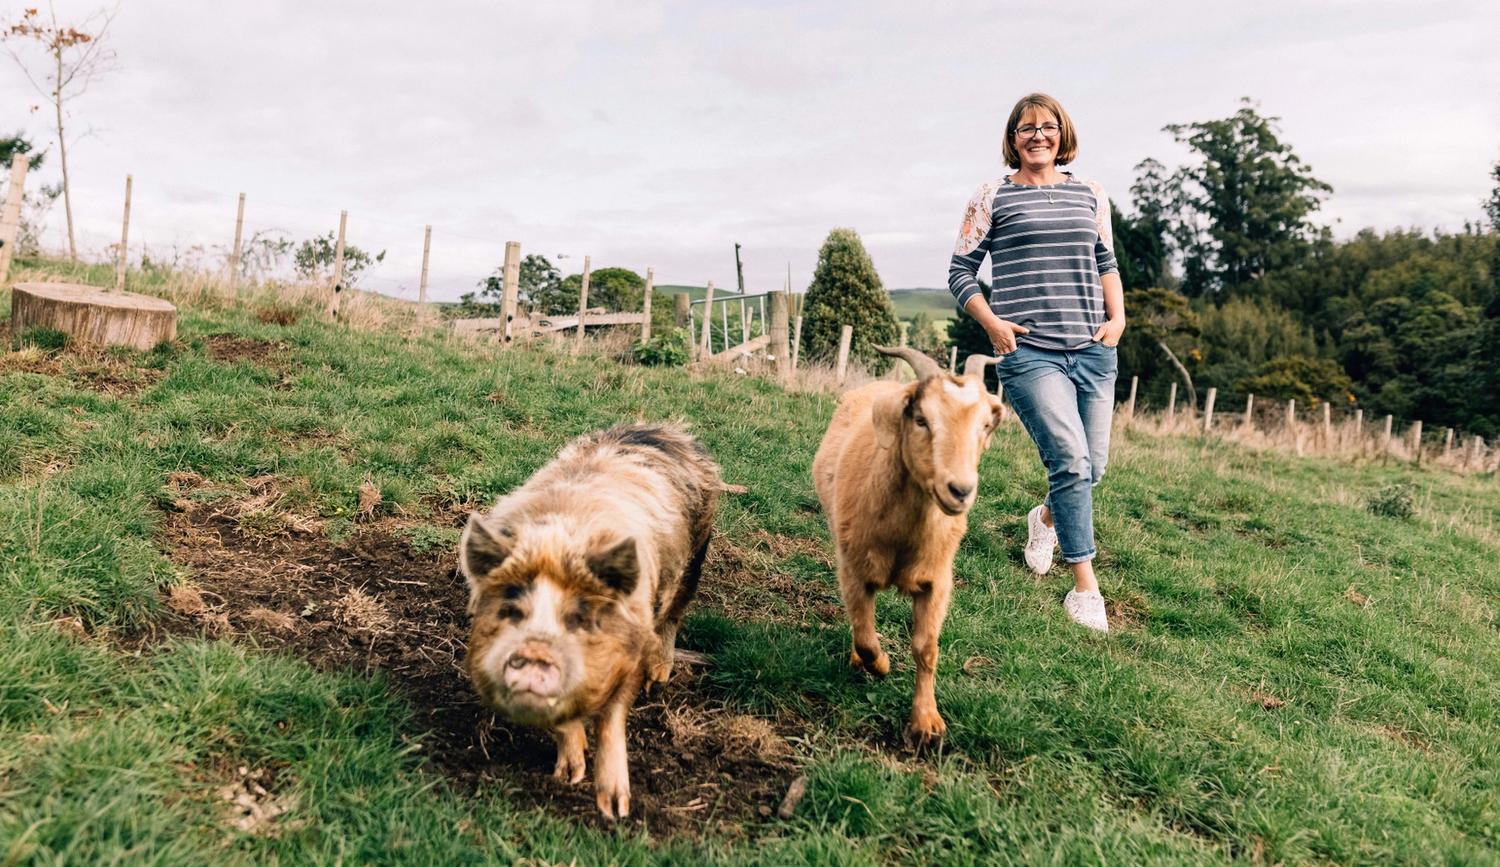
pixel 1038 151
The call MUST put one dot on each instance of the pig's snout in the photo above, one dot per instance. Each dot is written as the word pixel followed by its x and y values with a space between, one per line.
pixel 533 668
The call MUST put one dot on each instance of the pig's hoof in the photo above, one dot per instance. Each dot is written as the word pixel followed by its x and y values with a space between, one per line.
pixel 613 799
pixel 871 659
pixel 570 766
pixel 658 673
pixel 926 729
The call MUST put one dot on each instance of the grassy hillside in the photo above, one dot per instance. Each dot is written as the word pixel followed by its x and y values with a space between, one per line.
pixel 936 303
pixel 229 632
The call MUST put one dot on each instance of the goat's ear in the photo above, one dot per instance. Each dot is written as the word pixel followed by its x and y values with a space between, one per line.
pixel 997 412
pixel 617 566
pixel 887 412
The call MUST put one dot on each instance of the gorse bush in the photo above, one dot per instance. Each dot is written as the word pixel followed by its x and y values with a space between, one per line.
pixel 1391 501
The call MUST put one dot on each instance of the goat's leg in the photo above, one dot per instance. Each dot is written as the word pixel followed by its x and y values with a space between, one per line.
pixel 928 610
pixel 859 601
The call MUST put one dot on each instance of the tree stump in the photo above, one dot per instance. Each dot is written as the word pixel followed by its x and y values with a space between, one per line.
pixel 90 315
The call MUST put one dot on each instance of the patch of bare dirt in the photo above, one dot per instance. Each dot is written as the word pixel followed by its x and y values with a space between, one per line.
pixel 231 348
pixel 747 583
pixel 87 367
pixel 373 602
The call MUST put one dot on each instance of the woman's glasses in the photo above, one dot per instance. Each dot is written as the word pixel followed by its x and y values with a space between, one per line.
pixel 1048 130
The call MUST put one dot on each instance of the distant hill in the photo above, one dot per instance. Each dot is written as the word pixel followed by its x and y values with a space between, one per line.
pixel 936 303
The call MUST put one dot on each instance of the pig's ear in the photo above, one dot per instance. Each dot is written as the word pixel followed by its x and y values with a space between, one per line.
pixel 616 566
pixel 483 548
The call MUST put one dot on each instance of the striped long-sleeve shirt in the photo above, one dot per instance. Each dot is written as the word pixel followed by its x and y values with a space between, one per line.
pixel 1048 247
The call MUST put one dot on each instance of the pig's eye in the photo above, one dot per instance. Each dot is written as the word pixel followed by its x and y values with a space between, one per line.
pixel 513 592
pixel 510 612
pixel 581 617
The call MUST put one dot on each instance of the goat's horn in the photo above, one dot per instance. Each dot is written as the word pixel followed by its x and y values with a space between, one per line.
pixel 919 362
pixel 974 365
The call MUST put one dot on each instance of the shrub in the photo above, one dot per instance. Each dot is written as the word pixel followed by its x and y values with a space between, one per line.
pixel 667 349
pixel 845 290
pixel 1391 501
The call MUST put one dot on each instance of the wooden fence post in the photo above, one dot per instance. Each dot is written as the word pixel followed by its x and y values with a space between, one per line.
pixel 1359 429
pixel 724 323
pixel 1448 444
pixel 1416 441
pixel 1327 425
pixel 583 303
pixel 846 336
pixel 682 312
pixel 1476 449
pixel 124 241
pixel 796 342
pixel 1208 409
pixel 1172 401
pixel 1130 402
pixel 234 257
pixel 335 301
pixel 779 348
pixel 10 218
pixel 510 292
pixel 953 359
pixel 646 306
pixel 1249 411
pixel 1291 414
pixel 1385 437
pixel 708 320
pixel 426 257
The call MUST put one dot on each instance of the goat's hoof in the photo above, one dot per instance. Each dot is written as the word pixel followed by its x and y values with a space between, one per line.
pixel 874 661
pixel 926 730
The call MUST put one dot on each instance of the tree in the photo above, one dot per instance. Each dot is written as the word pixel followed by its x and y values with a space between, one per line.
pixel 1492 204
pixel 75 59
pixel 618 289
pixel 1141 239
pixel 314 259
pixel 537 278
pixel 1158 315
pixel 1242 210
pixel 1309 381
pixel 846 290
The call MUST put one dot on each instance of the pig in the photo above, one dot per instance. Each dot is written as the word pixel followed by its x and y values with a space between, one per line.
pixel 578 581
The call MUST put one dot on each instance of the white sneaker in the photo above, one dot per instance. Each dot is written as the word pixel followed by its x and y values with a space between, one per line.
pixel 1040 540
pixel 1087 609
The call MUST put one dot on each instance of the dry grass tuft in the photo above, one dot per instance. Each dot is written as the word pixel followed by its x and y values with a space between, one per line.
pixel 361 611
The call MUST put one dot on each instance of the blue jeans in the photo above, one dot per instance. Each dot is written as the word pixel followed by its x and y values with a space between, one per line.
pixel 1066 400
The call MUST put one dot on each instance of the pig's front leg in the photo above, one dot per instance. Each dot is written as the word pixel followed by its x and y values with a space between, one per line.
pixel 571 743
pixel 611 770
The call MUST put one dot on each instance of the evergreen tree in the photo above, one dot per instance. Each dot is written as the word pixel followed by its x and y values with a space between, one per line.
pixel 1242 210
pixel 846 290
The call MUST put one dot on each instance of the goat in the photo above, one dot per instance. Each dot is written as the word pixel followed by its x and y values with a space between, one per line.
pixel 896 473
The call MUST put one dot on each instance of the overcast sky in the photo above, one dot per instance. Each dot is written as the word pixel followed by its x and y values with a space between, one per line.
pixel 660 133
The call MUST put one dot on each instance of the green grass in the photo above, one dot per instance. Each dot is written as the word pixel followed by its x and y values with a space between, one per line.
pixel 1291 678
pixel 936 303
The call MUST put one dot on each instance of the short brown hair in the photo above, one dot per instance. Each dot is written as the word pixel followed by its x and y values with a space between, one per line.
pixel 1067 139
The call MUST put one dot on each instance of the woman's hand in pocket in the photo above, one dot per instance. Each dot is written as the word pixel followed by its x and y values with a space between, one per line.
pixel 1109 333
pixel 1003 335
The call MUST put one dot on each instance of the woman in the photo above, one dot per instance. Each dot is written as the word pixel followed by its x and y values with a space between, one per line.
pixel 1054 316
